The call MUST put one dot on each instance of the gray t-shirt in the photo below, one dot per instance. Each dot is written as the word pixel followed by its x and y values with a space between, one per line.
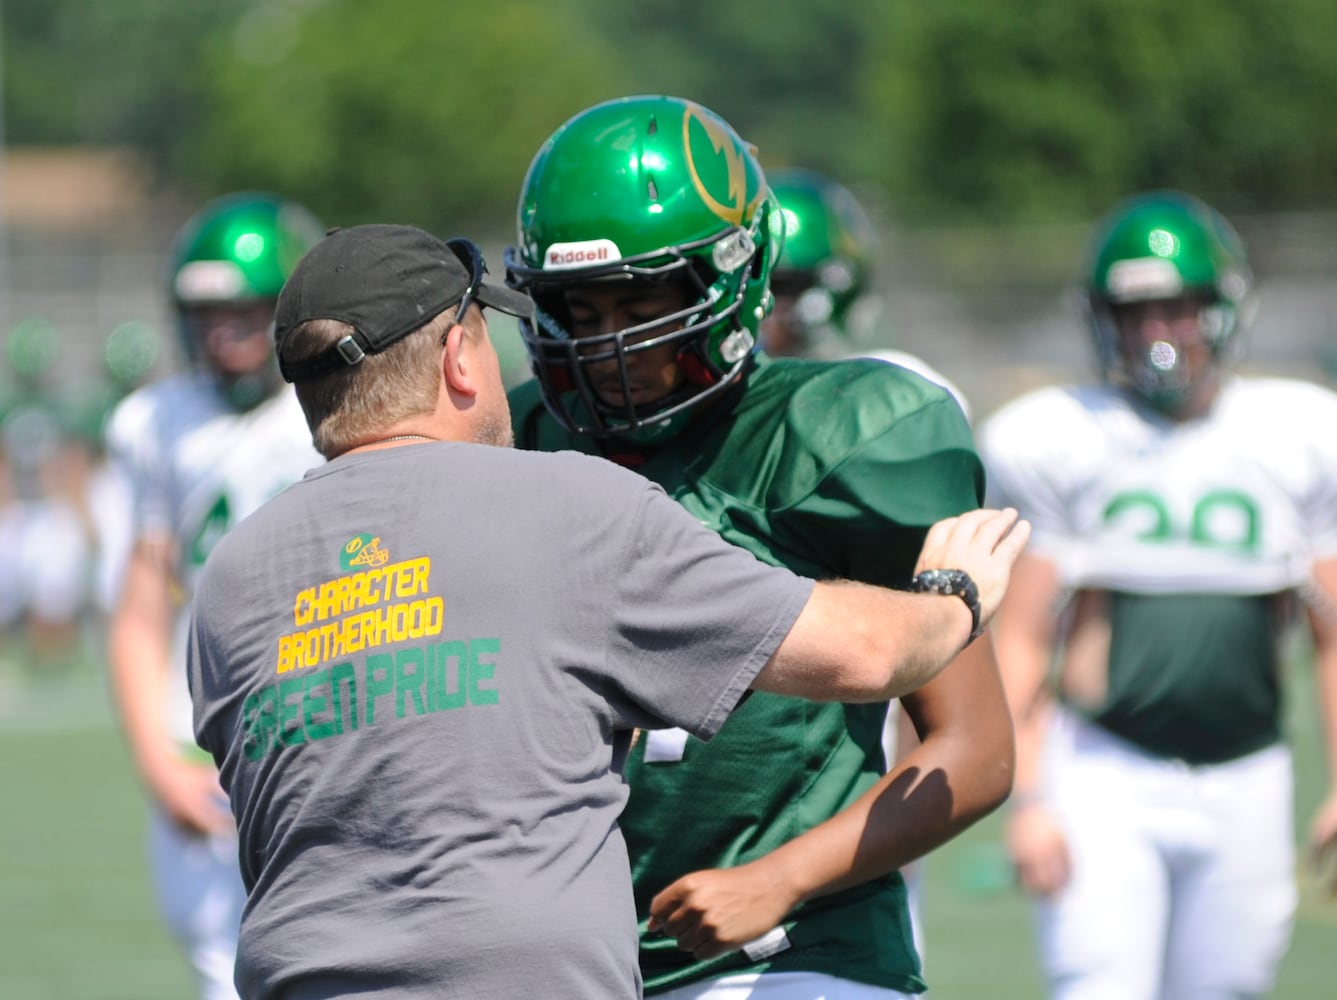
pixel 419 670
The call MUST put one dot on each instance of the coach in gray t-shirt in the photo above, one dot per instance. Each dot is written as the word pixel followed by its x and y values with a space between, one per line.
pixel 420 668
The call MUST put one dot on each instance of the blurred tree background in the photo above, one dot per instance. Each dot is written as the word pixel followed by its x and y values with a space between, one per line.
pixel 986 138
pixel 956 110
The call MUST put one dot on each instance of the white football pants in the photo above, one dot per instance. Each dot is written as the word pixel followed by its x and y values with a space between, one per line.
pixel 1183 883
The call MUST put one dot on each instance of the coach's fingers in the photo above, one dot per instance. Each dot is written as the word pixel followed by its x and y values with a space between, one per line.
pixel 955 540
pixel 984 544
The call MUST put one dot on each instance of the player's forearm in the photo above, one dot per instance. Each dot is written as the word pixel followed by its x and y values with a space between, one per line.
pixel 139 693
pixel 1322 612
pixel 139 653
pixel 1325 670
pixel 961 770
pixel 932 796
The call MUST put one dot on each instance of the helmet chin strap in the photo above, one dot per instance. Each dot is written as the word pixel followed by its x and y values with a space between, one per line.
pixel 694 369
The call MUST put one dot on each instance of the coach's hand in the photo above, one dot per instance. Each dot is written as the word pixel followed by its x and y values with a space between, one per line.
pixel 985 544
pixel 713 912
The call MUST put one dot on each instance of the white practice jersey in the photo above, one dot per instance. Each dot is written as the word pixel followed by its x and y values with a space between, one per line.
pixel 1241 501
pixel 195 466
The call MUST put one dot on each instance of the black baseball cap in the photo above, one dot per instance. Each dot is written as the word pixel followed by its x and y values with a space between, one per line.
pixel 384 281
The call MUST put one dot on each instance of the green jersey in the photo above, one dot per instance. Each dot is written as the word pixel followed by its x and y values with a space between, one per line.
pixel 833 469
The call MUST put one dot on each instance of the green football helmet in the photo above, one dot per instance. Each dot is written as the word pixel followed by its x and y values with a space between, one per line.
pixel 238 250
pixel 1165 245
pixel 647 188
pixel 829 247
pixel 130 353
pixel 33 349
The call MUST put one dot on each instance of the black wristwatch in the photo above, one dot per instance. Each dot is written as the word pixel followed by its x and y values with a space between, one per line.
pixel 955 582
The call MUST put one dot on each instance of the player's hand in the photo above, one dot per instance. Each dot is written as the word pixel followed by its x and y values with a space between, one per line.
pixel 985 543
pixel 189 793
pixel 1323 844
pixel 1038 849
pixel 713 912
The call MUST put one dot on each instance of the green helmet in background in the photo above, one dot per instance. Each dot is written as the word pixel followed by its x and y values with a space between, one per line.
pixel 830 245
pixel 1165 245
pixel 32 350
pixel 238 250
pixel 130 353
pixel 648 188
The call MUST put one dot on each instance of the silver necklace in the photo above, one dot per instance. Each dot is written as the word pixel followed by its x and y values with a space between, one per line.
pixel 402 437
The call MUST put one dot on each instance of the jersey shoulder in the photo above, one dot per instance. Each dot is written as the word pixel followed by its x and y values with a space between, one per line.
pixel 838 407
pixel 921 367
pixel 1297 407
pixel 177 400
pixel 1053 419
pixel 856 439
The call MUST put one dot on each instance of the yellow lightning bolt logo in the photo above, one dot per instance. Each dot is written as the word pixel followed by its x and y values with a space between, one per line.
pixel 736 207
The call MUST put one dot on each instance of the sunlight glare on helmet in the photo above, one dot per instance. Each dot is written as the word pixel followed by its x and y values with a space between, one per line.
pixel 1163 243
pixel 653 161
pixel 249 246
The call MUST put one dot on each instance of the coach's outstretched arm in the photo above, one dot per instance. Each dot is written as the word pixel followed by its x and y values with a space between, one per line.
pixel 854 642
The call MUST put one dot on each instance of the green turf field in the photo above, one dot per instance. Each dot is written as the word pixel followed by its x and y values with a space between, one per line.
pixel 78 921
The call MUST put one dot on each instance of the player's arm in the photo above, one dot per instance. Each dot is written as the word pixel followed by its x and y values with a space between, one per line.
pixel 855 642
pixel 1322 612
pixel 1024 633
pixel 959 772
pixel 140 653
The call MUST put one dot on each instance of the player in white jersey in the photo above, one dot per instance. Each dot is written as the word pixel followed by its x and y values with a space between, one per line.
pixel 1183 518
pixel 201 450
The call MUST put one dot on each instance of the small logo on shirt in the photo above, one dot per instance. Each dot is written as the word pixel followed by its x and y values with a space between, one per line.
pixel 363 550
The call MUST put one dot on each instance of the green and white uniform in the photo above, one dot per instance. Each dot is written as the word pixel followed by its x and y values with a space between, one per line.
pixel 1176 787
pixel 832 469
pixel 194 466
pixel 1192 528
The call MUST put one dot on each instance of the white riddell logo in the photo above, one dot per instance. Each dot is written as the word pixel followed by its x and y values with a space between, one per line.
pixel 562 255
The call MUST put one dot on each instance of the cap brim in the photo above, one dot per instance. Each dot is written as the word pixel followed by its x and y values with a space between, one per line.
pixel 508 300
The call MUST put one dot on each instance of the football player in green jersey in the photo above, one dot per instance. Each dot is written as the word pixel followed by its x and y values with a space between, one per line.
pixel 1179 512
pixel 766 862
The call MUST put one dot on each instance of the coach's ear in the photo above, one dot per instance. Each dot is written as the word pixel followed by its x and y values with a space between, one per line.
pixel 460 362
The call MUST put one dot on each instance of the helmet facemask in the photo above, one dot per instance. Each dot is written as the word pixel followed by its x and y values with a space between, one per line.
pixel 1159 370
pixel 714 346
pixel 644 189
